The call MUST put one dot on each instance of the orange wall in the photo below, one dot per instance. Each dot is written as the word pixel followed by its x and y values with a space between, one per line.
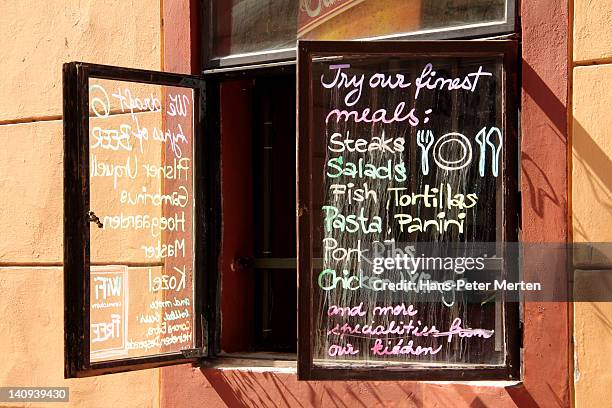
pixel 53 32
pixel 591 158
pixel 38 36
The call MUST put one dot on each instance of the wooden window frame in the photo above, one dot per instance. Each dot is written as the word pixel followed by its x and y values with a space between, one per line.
pixel 76 77
pixel 511 371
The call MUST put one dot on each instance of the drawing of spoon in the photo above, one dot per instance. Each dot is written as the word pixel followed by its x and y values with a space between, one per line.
pixel 480 139
pixel 495 148
pixel 425 140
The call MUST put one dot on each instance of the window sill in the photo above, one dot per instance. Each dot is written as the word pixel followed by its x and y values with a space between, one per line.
pixel 281 363
pixel 484 383
pixel 255 362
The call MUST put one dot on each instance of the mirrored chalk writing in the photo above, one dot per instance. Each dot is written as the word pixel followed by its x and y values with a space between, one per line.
pixel 141 172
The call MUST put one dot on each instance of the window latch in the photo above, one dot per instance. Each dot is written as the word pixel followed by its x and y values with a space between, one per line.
pixel 192 353
pixel 94 218
pixel 301 210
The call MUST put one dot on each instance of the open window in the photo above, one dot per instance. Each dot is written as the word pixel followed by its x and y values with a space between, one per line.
pixel 257 268
pixel 182 221
pixel 137 219
pixel 407 193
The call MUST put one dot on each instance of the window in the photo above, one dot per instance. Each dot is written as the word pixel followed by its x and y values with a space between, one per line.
pixel 407 183
pixel 247 31
pixel 258 275
pixel 136 219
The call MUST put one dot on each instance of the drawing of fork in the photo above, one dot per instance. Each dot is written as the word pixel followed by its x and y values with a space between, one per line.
pixel 425 140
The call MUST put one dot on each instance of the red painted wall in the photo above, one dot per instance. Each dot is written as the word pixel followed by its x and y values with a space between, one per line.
pixel 544 186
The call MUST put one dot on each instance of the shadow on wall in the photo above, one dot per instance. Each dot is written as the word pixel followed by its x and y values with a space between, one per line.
pixel 540 188
pixel 586 153
pixel 592 173
pixel 271 390
pixel 267 390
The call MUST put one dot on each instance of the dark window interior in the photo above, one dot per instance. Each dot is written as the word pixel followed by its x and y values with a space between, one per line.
pixel 274 204
pixel 258 251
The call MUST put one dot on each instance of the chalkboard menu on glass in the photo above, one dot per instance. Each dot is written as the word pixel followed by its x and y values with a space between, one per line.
pixel 406 181
pixel 134 218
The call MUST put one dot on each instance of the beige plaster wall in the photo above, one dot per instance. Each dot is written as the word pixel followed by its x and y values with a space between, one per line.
pixel 592 198
pixel 592 151
pixel 592 33
pixel 38 36
pixel 32 345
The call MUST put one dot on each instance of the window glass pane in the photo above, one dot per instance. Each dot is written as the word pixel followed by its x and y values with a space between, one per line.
pixel 436 198
pixel 246 26
pixel 141 192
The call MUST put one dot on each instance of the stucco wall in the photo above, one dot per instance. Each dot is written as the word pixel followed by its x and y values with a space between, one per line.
pixel 592 197
pixel 38 36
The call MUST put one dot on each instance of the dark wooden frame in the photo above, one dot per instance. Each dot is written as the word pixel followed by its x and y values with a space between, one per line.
pixel 209 62
pixel 76 222
pixel 306 370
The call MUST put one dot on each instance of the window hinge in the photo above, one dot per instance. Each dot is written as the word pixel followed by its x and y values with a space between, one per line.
pixel 301 210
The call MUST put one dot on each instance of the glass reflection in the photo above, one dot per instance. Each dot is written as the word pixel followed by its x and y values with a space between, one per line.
pixel 247 26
